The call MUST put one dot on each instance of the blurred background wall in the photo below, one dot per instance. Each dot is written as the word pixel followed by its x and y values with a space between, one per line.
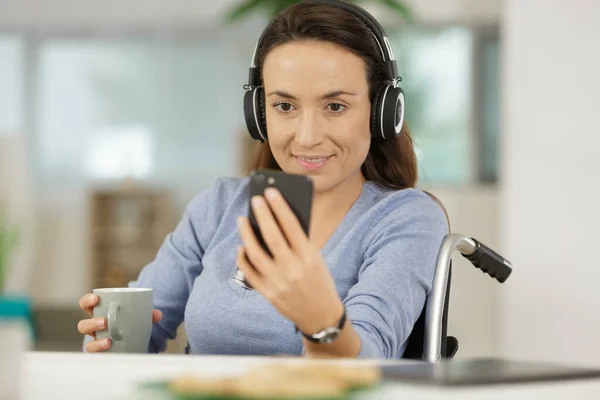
pixel 150 92
pixel 550 180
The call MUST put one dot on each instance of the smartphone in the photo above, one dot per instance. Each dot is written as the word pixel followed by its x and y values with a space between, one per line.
pixel 297 190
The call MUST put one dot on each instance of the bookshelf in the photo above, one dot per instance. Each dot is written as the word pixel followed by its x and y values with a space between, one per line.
pixel 129 224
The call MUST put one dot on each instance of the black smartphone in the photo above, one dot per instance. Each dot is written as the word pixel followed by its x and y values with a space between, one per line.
pixel 297 190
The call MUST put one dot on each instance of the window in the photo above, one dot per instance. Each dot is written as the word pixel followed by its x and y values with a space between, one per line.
pixel 452 111
pixel 169 110
pixel 164 111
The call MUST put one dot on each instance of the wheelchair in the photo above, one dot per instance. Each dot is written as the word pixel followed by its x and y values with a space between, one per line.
pixel 429 341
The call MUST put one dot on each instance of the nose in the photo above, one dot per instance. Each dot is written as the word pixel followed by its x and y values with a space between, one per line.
pixel 310 130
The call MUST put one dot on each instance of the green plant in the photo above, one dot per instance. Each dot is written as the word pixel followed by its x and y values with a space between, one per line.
pixel 272 7
pixel 8 243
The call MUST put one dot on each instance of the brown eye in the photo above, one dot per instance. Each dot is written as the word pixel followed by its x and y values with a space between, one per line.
pixel 284 107
pixel 336 108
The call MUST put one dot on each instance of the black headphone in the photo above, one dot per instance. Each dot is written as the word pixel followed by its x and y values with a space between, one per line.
pixel 387 112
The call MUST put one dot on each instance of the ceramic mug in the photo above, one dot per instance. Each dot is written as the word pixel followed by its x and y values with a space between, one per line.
pixel 128 313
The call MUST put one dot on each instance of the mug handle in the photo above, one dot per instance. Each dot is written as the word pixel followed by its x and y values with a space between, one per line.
pixel 113 329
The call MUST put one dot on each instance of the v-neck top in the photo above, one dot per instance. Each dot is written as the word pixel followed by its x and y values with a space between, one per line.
pixel 382 257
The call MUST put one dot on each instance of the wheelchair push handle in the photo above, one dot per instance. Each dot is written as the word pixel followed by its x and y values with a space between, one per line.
pixel 487 260
pixel 483 258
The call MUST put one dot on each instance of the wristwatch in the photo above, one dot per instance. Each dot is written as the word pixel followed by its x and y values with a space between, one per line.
pixel 327 335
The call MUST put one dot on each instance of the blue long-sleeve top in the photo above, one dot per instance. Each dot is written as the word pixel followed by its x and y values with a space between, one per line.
pixel 382 257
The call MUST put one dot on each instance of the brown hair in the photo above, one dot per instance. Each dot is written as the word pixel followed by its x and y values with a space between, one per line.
pixel 392 163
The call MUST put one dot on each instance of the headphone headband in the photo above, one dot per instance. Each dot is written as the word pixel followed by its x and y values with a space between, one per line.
pixel 371 23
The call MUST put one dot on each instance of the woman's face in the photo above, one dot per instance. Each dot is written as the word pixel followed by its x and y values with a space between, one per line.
pixel 318 112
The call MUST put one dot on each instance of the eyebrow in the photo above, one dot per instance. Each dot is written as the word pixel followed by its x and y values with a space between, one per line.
pixel 328 95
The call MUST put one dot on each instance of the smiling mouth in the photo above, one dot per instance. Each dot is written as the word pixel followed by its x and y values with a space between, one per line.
pixel 312 163
pixel 313 160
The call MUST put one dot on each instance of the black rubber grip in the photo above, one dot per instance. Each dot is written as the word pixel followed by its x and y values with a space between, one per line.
pixel 490 262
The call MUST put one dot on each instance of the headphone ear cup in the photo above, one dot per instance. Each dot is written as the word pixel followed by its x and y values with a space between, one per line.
pixel 254 114
pixel 393 112
pixel 263 111
pixel 387 115
pixel 375 113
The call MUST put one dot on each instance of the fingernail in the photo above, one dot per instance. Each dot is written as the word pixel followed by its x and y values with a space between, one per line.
pixel 271 193
pixel 106 343
pixel 92 297
pixel 100 323
pixel 256 201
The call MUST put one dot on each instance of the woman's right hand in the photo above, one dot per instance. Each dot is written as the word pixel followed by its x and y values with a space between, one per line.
pixel 91 325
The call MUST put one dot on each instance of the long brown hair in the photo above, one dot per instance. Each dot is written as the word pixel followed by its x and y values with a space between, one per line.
pixel 392 163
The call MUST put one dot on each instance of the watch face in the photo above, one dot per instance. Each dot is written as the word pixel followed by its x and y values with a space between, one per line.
pixel 328 335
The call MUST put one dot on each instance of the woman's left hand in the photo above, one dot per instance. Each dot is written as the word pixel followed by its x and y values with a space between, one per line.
pixel 295 279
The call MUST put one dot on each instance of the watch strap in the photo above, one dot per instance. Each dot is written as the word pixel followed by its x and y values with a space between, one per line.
pixel 316 337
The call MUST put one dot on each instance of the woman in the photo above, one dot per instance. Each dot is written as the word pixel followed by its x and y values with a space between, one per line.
pixel 357 284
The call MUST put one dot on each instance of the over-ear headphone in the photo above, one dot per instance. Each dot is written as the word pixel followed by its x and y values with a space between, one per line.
pixel 387 109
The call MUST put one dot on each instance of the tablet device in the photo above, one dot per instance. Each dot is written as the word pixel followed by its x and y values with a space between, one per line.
pixel 484 372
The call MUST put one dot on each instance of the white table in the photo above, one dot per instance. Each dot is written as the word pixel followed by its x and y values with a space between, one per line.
pixel 48 375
